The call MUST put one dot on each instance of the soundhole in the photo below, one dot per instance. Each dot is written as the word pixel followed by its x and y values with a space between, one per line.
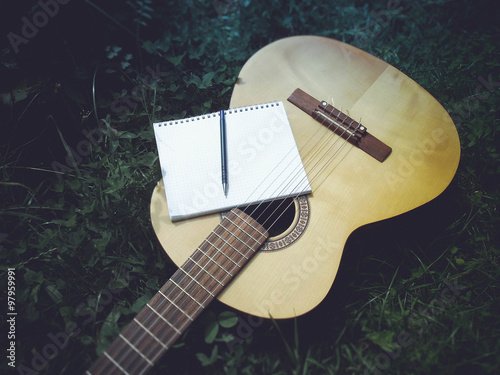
pixel 276 216
pixel 286 221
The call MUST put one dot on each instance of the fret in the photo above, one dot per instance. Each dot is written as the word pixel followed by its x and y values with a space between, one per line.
pixel 189 295
pixel 135 349
pixel 165 309
pixel 263 235
pixel 177 307
pixel 116 363
pixel 182 298
pixel 196 281
pixel 126 356
pixel 173 293
pixel 206 272
pixel 164 319
pixel 228 243
pixel 234 248
pixel 223 253
pixel 151 334
pixel 248 234
pixel 217 248
pixel 155 336
pixel 105 365
pixel 209 257
pixel 191 286
pixel 237 237
pixel 230 231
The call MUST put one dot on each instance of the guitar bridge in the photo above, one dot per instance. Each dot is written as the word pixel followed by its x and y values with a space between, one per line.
pixel 341 124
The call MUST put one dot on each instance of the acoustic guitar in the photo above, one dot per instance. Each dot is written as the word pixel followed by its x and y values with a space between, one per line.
pixel 374 145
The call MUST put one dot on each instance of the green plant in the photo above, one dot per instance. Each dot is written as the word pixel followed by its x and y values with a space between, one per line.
pixel 86 258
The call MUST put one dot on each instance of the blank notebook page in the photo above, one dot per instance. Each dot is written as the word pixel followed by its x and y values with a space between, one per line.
pixel 263 162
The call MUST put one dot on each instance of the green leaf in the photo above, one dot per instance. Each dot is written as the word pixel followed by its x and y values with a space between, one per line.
pixel 459 261
pixel 205 360
pixel 226 337
pixel 108 331
pixel 177 59
pixel 69 152
pixel 71 222
pixel 139 303
pixel 74 184
pixel 31 277
pixel 121 283
pixel 85 339
pixel 34 293
pixel 195 80
pixel 211 332
pixel 153 284
pixel 54 293
pixel 126 135
pixel 58 186
pixel 101 243
pixel 87 208
pixel 75 238
pixel 206 80
pixel 384 339
pixel 228 319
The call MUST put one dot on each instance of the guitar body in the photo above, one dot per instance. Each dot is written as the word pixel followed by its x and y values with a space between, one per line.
pixel 296 268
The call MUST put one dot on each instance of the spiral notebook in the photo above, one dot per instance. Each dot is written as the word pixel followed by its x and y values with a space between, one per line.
pixel 263 162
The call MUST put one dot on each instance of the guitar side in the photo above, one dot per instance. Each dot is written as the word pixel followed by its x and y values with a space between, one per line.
pixel 352 190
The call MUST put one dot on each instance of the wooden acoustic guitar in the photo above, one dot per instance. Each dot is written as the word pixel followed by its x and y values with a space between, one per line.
pixel 386 148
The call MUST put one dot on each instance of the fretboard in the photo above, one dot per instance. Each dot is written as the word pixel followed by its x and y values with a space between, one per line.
pixel 167 315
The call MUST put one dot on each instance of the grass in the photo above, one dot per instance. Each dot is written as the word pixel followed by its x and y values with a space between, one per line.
pixel 416 294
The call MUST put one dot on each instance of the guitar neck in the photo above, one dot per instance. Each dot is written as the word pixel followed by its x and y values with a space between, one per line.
pixel 168 314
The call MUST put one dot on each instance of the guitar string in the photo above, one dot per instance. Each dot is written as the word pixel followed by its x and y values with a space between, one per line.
pixel 299 167
pixel 300 182
pixel 325 141
pixel 162 303
pixel 317 174
pixel 248 201
pixel 322 167
pixel 315 165
pixel 130 349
